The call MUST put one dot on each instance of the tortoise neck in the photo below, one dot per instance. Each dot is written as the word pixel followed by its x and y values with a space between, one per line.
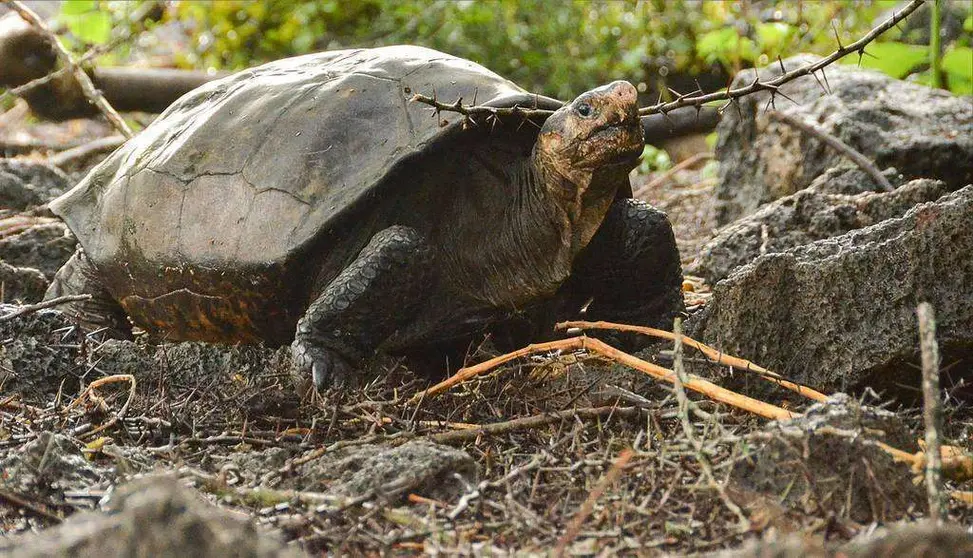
pixel 582 196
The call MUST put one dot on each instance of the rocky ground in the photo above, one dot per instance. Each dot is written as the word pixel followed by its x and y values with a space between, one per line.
pixel 795 259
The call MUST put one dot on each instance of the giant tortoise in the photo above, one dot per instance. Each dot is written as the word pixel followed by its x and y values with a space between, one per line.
pixel 309 200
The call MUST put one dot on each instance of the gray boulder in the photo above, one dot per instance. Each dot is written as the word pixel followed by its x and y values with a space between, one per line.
pixel 920 131
pixel 39 350
pixel 151 517
pixel 828 461
pixel 809 215
pixel 840 312
pixel 420 467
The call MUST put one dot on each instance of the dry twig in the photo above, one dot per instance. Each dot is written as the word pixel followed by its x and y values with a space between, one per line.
pixel 718 357
pixel 664 177
pixel 45 304
pixel 89 89
pixel 98 383
pixel 694 383
pixel 678 378
pixel 932 410
pixel 573 528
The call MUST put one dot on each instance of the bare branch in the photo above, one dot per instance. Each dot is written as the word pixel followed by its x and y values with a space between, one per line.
pixel 691 99
pixel 89 89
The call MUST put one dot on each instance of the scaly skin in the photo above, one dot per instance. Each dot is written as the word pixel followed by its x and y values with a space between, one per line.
pixel 363 306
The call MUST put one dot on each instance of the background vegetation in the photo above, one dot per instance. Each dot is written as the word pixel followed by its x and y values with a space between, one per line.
pixel 555 48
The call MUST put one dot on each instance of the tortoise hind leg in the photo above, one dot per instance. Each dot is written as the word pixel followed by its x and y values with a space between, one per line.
pixel 630 272
pixel 363 306
pixel 99 313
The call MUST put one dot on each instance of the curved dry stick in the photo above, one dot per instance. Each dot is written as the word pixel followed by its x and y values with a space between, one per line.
pixel 694 383
pixel 87 86
pixel 98 383
pixel 714 355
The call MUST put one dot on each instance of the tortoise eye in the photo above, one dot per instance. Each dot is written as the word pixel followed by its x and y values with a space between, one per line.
pixel 584 109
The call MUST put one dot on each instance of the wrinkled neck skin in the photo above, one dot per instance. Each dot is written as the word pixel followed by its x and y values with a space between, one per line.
pixel 581 194
pixel 524 249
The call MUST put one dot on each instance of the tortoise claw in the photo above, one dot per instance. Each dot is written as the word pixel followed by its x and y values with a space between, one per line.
pixel 325 366
pixel 330 370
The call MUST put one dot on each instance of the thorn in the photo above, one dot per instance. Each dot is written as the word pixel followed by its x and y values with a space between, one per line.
pixel 897 21
pixel 475 91
pixel 736 102
pixel 784 95
pixel 665 113
pixel 678 95
pixel 781 62
pixel 699 108
pixel 722 108
pixel 817 79
pixel 659 100
pixel 865 53
pixel 699 88
pixel 771 103
pixel 836 37
pixel 823 73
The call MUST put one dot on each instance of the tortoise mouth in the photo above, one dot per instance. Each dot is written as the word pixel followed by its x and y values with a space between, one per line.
pixel 622 143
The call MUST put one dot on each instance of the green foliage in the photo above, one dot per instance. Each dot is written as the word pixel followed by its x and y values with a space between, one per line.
pixel 957 64
pixel 556 48
pixel 86 20
pixel 895 59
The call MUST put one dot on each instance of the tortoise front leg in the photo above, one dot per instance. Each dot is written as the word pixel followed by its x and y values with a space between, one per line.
pixel 630 271
pixel 363 306
pixel 101 312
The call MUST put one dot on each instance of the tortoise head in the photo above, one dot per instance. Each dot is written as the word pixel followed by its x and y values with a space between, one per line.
pixel 598 130
pixel 585 151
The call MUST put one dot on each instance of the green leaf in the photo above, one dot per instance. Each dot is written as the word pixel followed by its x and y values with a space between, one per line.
pixel 959 61
pixel 958 65
pixel 93 27
pixel 893 58
pixel 718 44
pixel 772 35
pixel 78 7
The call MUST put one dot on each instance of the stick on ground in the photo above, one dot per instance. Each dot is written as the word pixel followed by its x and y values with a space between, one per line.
pixel 571 532
pixel 932 410
pixel 714 355
pixel 42 305
pixel 694 383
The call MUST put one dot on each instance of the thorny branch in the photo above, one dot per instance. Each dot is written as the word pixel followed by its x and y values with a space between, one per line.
pixel 696 98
